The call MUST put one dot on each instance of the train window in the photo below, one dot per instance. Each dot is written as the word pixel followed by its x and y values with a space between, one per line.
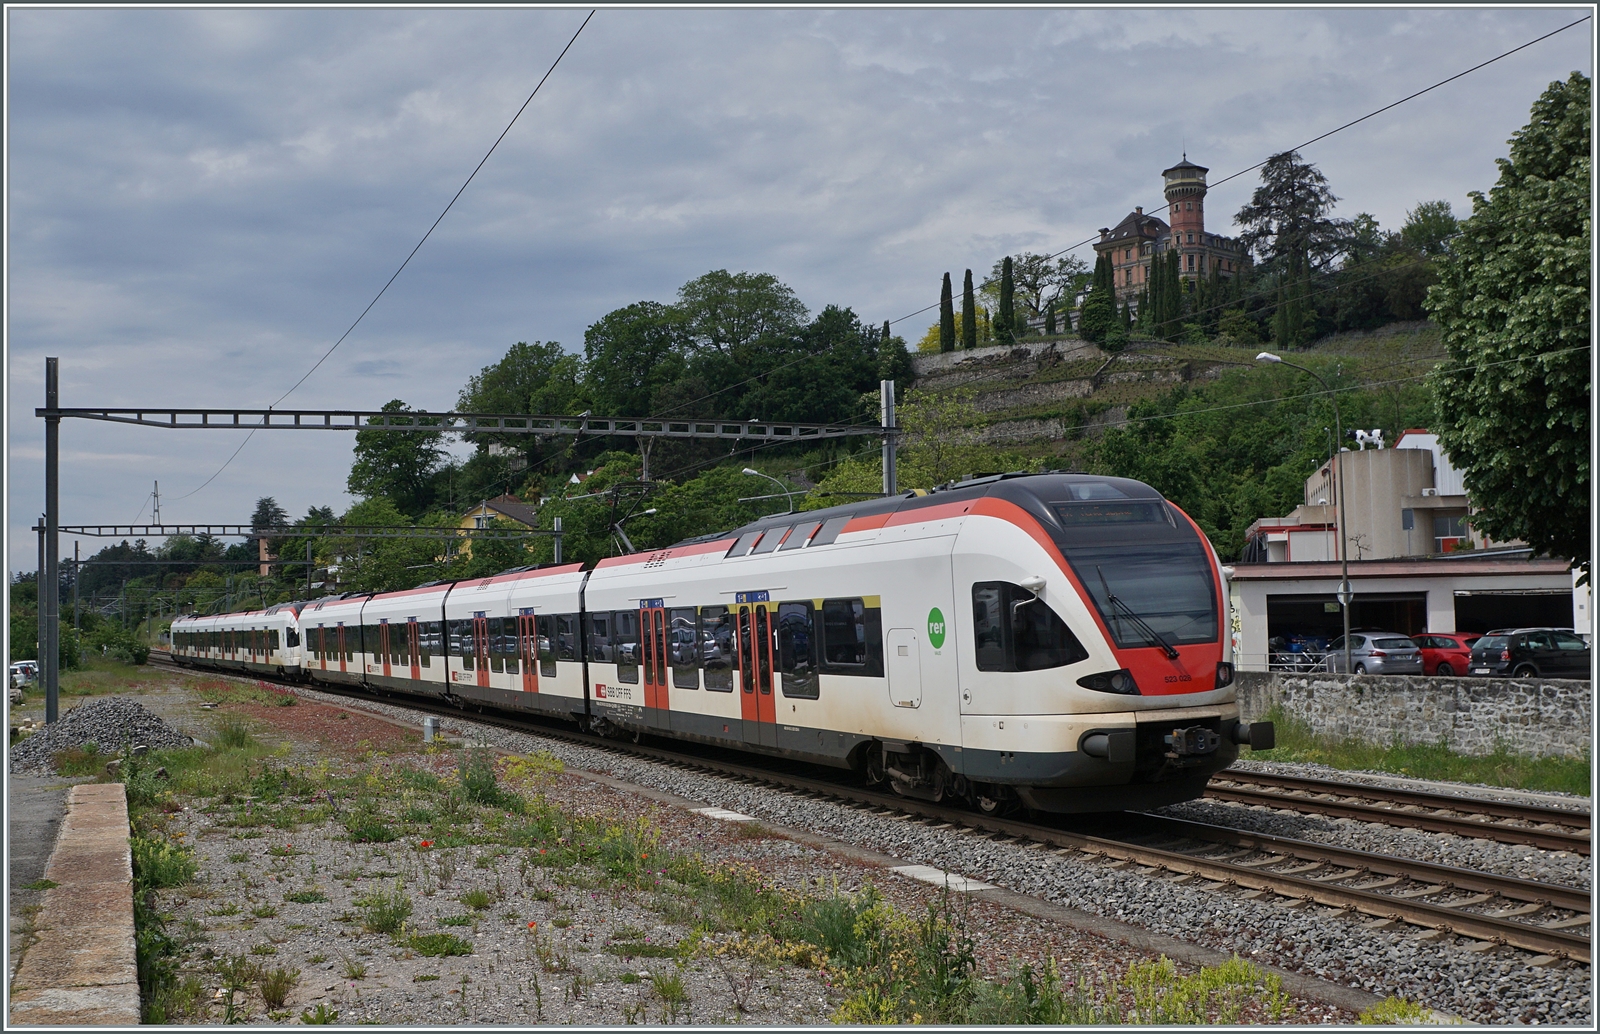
pixel 625 644
pixel 600 647
pixel 742 544
pixel 1165 587
pixel 496 645
pixel 830 530
pixel 683 648
pixel 716 648
pixel 348 635
pixel 291 637
pixel 547 644
pixel 844 633
pixel 1014 631
pixel 568 647
pixel 461 641
pixel 770 541
pixel 510 644
pixel 801 533
pixel 797 661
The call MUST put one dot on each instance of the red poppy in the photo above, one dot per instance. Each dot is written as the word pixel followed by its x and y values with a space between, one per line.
pixel 426 844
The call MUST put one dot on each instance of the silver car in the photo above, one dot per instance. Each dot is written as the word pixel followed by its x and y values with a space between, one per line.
pixel 1376 653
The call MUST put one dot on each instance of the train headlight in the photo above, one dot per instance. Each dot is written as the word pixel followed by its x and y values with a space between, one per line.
pixel 1224 674
pixel 1119 681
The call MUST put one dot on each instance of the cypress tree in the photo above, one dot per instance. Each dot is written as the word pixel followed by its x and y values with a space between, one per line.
pixel 1050 319
pixel 969 314
pixel 1005 326
pixel 947 318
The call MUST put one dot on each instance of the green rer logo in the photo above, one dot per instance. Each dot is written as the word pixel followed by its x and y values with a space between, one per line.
pixel 936 628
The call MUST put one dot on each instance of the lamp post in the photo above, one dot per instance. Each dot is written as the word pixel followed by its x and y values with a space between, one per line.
pixel 787 495
pixel 1345 594
pixel 617 527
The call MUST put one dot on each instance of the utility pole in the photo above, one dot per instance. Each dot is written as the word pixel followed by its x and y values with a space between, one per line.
pixel 308 569
pixel 555 525
pixel 886 411
pixel 76 571
pixel 49 576
pixel 156 512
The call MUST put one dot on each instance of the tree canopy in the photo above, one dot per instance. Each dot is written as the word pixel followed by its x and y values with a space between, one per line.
pixel 1513 303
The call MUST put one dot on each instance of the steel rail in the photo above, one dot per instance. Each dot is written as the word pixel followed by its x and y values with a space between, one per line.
pixel 1558 943
pixel 1509 887
pixel 1547 839
pixel 1421 798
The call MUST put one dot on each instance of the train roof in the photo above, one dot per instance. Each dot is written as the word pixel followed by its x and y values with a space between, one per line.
pixel 1030 490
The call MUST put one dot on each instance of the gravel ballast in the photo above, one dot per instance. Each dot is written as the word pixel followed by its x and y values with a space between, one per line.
pixel 1493 986
pixel 110 723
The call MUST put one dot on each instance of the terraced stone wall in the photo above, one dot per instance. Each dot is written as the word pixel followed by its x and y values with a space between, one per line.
pixel 1534 717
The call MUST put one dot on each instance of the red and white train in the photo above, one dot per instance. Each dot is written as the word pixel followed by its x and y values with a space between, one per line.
pixel 1054 640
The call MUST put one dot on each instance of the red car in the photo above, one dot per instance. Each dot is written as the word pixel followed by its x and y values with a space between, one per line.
pixel 1445 653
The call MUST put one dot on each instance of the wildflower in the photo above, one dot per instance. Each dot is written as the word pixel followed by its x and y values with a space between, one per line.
pixel 424 845
pixel 532 925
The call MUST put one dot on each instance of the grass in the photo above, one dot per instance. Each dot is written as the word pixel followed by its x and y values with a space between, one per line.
pixel 221 691
pixel 1296 742
pixel 477 899
pixel 462 920
pixel 385 911
pixel 276 985
pixel 440 945
pixel 306 897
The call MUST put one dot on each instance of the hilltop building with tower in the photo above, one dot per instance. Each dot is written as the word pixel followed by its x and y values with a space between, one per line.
pixel 1135 242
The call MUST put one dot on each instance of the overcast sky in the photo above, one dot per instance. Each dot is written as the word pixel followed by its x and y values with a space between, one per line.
pixel 200 202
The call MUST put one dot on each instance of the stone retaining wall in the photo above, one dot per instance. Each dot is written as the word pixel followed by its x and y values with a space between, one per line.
pixel 1536 717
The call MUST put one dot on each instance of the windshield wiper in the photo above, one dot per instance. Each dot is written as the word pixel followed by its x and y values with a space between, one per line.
pixel 1144 626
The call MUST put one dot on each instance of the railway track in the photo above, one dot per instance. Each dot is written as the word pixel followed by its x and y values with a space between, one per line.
pixel 1443 900
pixel 1553 829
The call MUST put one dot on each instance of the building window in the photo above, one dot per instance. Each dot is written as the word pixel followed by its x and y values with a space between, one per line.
pixel 1191 239
pixel 1448 529
pixel 1191 261
pixel 1127 254
pixel 1188 206
pixel 1129 277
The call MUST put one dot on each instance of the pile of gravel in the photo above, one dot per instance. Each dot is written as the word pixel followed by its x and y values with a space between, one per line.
pixel 110 723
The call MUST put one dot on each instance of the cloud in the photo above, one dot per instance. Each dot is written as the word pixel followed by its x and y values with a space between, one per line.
pixel 203 201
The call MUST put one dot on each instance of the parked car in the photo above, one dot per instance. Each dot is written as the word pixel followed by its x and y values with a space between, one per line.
pixel 1530 652
pixel 1376 653
pixel 24 672
pixel 1445 653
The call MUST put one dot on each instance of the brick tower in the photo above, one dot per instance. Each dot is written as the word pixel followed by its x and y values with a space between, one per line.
pixel 1186 193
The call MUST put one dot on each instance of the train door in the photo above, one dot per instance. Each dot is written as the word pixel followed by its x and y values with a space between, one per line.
pixel 383 647
pixel 480 646
pixel 756 706
pixel 322 647
pixel 413 639
pixel 528 649
pixel 653 637
pixel 342 654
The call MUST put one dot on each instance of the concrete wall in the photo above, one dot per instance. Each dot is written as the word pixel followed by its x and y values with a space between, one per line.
pixel 1537 717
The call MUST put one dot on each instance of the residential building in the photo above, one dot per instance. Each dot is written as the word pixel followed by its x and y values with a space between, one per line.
pixel 505 507
pixel 1135 242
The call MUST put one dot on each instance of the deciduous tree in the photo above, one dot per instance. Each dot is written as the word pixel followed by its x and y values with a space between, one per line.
pixel 1513 303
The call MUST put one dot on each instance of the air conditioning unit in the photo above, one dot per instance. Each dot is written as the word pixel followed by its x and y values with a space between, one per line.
pixel 1428 493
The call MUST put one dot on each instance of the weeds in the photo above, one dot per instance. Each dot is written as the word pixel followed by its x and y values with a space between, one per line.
pixel 669 988
pixel 306 897
pixel 276 985
pixel 440 945
pixel 477 899
pixel 478 782
pixel 232 734
pixel 1396 1012
pixel 159 863
pixel 353 969
pixel 385 912
pixel 320 1015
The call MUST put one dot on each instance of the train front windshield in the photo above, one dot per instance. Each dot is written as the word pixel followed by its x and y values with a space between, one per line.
pixel 1146 570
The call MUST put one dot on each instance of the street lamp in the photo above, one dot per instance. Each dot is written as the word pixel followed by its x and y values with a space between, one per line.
pixel 617 527
pixel 1345 593
pixel 787 495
